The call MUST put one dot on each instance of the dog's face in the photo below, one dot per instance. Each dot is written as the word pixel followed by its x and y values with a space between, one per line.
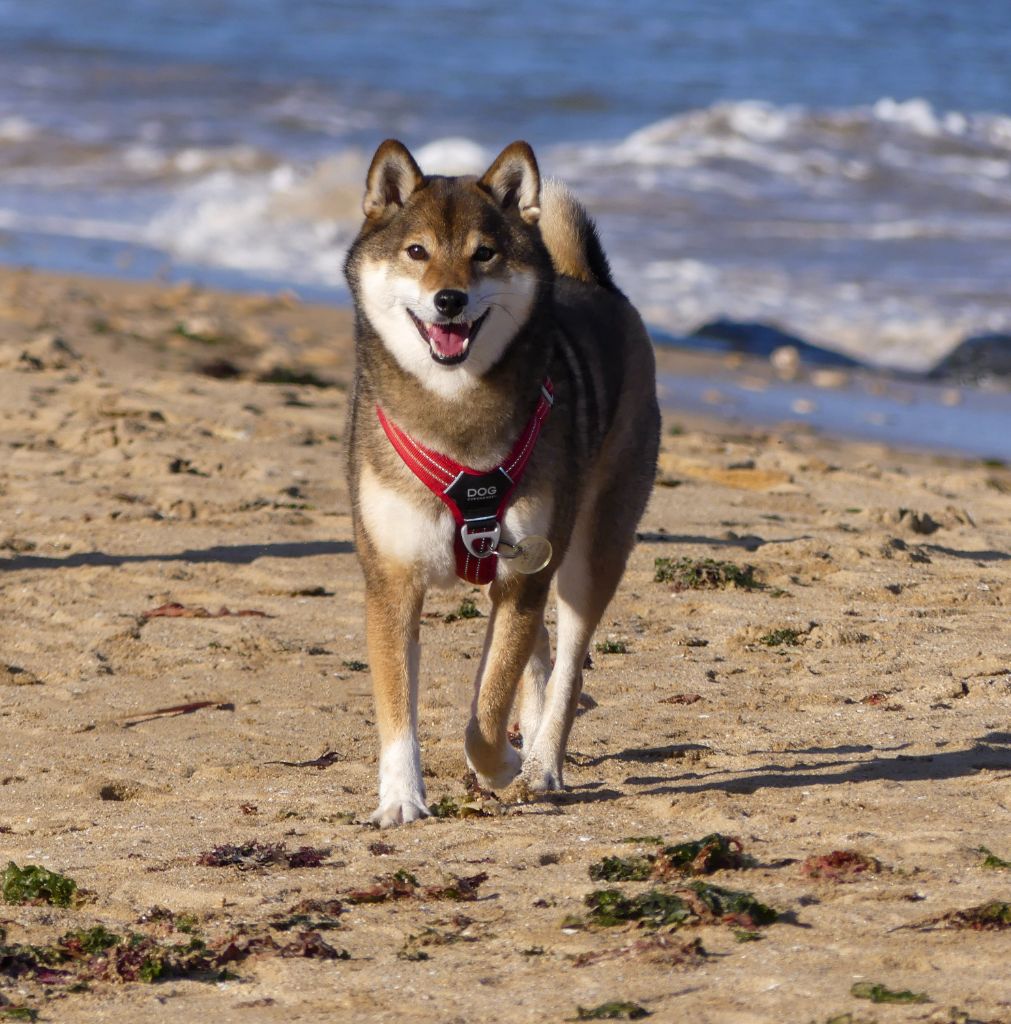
pixel 448 270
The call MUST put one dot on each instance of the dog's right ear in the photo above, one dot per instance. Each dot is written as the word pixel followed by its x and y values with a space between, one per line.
pixel 393 176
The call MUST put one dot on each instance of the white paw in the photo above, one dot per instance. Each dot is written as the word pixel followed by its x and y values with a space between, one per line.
pixel 401 789
pixel 539 779
pixel 398 812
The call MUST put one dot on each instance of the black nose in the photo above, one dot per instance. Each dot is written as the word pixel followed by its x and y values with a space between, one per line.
pixel 450 302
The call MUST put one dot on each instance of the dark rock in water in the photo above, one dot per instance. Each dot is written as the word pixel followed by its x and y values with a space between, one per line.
pixel 976 358
pixel 661 337
pixel 758 339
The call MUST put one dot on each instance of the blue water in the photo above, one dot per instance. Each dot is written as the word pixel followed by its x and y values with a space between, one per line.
pixel 549 71
pixel 841 169
pixel 903 414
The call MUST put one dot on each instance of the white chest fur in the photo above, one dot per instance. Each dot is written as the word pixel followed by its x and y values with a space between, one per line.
pixel 413 536
pixel 405 532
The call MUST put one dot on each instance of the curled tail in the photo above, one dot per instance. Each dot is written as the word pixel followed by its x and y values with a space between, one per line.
pixel 571 237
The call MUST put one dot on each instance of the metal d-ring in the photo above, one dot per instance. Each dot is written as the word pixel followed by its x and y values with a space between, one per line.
pixel 471 537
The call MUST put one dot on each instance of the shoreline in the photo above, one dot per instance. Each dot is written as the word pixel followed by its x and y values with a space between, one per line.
pixel 904 410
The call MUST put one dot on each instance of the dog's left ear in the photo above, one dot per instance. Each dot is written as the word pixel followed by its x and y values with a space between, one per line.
pixel 393 176
pixel 514 180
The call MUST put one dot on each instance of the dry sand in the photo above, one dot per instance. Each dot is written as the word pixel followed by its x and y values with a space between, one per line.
pixel 130 480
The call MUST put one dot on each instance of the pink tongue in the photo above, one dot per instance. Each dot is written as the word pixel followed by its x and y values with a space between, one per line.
pixel 448 339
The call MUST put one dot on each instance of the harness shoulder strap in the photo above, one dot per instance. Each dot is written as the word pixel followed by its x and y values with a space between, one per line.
pixel 476 499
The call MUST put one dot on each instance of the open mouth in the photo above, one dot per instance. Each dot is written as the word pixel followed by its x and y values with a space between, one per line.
pixel 449 343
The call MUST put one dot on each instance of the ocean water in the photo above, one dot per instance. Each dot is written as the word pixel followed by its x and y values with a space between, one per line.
pixel 842 169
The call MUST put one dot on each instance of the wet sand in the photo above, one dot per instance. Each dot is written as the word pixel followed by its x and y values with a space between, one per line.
pixel 857 700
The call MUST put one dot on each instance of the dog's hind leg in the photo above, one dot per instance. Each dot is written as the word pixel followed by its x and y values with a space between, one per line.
pixel 587 579
pixel 392 614
pixel 514 631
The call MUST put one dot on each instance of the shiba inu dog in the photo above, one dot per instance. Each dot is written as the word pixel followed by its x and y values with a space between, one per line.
pixel 503 428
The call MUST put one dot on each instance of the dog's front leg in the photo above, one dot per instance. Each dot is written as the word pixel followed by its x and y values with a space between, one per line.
pixel 392 613
pixel 516 622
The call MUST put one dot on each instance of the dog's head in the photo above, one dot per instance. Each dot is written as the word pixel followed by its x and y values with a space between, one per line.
pixel 448 270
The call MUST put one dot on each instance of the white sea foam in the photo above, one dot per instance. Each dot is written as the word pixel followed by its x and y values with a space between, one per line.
pixel 882 230
pixel 251 224
pixel 294 223
pixel 452 156
pixel 16 129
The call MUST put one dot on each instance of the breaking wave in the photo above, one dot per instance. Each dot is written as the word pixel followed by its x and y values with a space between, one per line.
pixel 882 230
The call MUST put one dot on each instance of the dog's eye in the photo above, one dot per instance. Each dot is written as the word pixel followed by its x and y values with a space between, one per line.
pixel 417 252
pixel 484 253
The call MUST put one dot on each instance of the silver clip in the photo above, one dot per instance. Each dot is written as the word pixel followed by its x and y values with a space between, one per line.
pixel 470 538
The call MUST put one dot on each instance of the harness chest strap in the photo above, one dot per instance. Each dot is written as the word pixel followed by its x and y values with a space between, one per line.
pixel 476 499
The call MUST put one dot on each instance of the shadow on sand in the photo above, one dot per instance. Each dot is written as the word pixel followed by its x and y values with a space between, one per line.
pixel 991 752
pixel 231 554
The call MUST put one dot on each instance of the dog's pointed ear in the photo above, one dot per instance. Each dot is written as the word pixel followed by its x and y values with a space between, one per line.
pixel 514 180
pixel 393 176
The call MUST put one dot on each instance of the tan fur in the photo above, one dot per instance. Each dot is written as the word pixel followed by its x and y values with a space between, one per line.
pixel 548 306
pixel 564 226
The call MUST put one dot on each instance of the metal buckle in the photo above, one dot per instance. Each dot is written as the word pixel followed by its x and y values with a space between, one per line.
pixel 491 533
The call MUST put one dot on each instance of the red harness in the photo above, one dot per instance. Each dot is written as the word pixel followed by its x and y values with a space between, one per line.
pixel 477 499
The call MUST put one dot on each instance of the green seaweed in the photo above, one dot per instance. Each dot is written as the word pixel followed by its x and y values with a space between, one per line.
pixel 610 907
pixel 878 993
pixel 992 916
pixel 34 884
pixel 991 860
pixel 90 941
pixel 781 638
pixel 457 888
pixel 410 953
pixel 733 905
pixel 81 956
pixel 78 958
pixel 697 902
pixel 660 909
pixel 703 574
pixel 445 807
pixel 310 914
pixel 694 857
pixel 623 869
pixel 477 805
pixel 468 610
pixel 151 968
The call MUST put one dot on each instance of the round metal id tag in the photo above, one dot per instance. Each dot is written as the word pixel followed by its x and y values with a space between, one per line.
pixel 527 556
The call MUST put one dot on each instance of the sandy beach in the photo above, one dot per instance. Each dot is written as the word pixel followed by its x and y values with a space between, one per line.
pixel 175 534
